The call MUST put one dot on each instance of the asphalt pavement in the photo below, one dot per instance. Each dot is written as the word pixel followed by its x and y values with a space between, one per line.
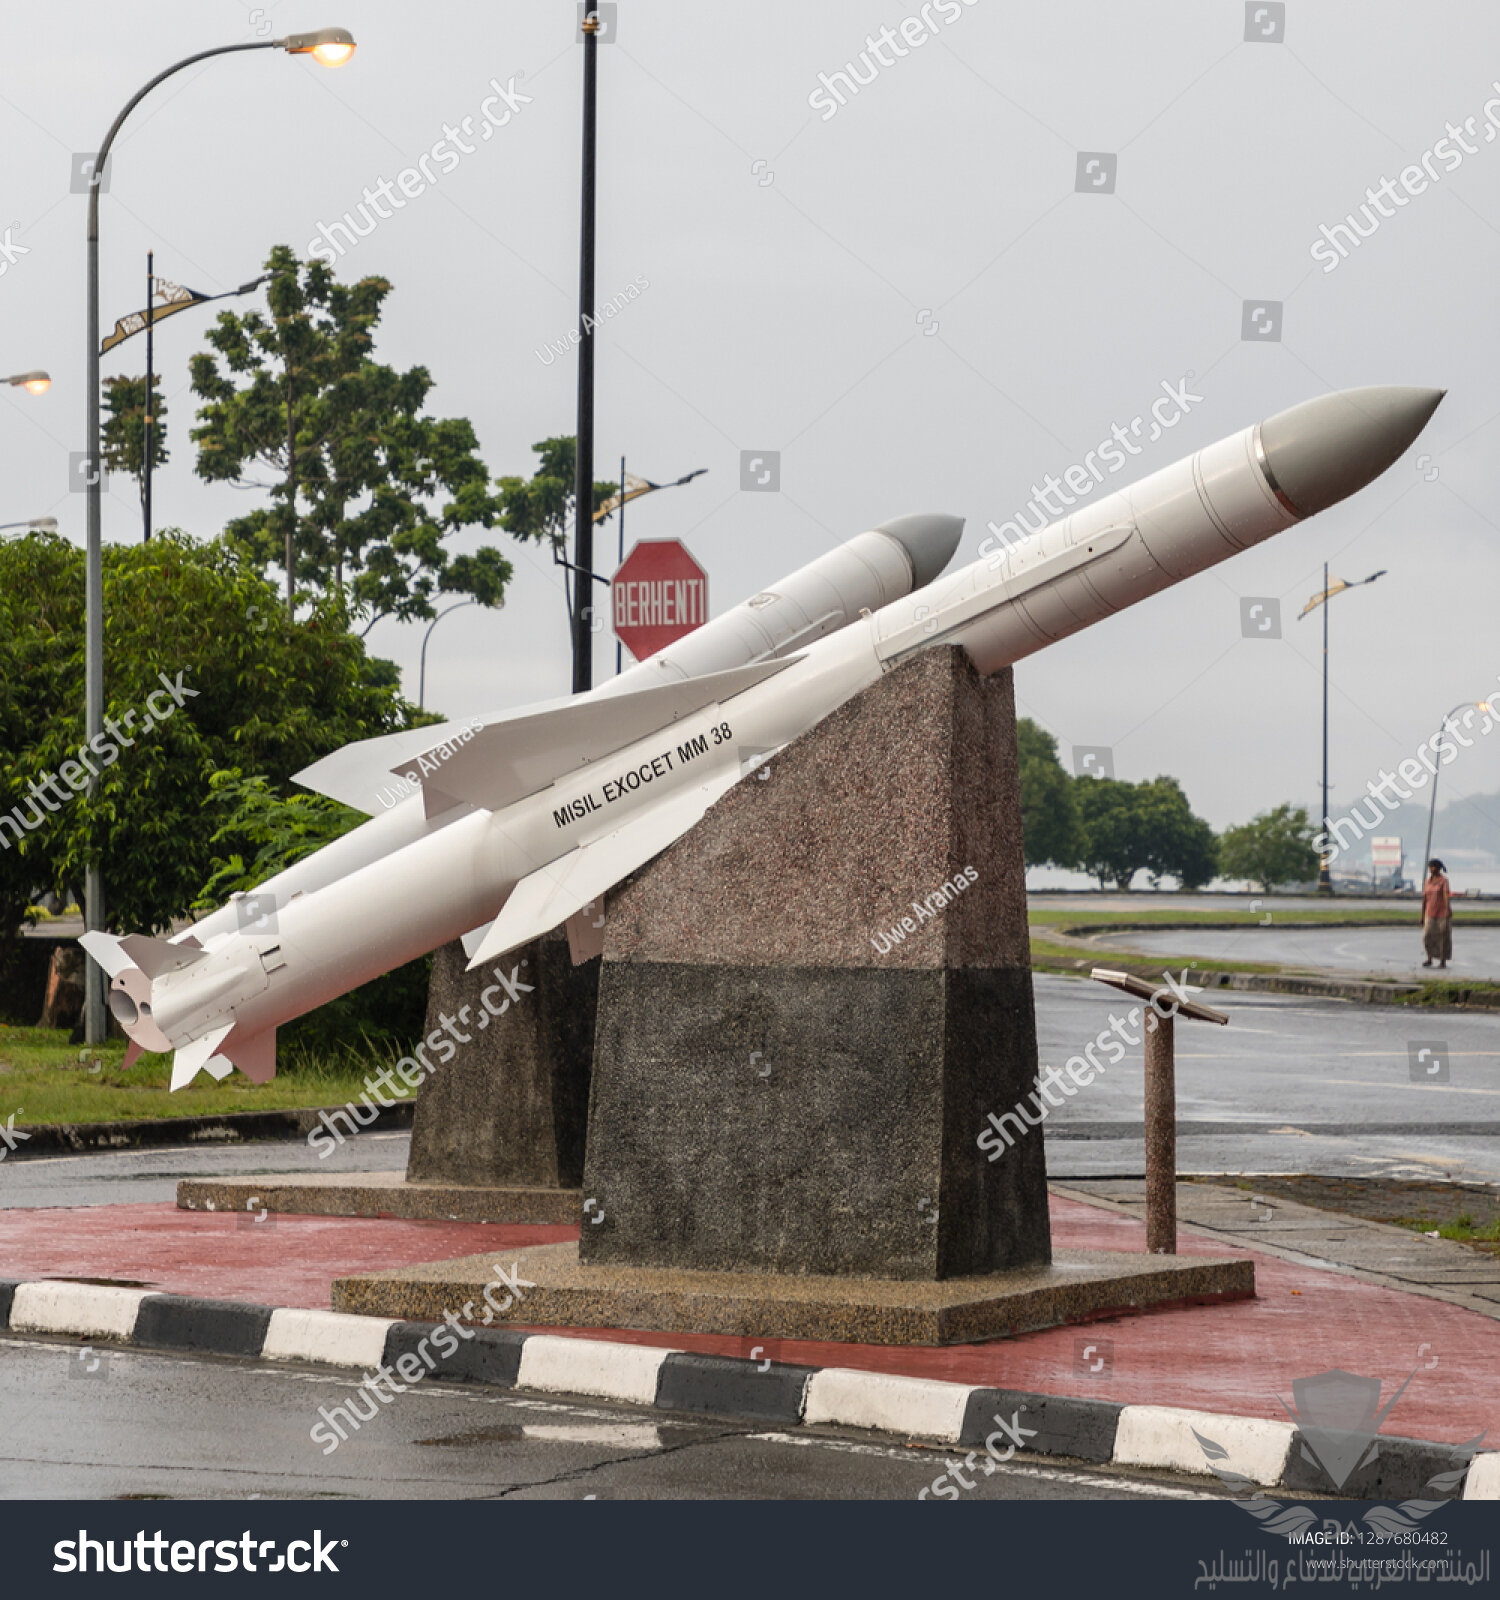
pixel 111 1423
pixel 1476 951
pixel 1290 1085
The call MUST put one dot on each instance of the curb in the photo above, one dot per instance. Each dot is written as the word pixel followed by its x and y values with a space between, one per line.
pixel 1007 1422
pixel 233 1127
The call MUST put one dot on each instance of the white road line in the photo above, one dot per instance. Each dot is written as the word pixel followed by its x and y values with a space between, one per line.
pixel 1025 1469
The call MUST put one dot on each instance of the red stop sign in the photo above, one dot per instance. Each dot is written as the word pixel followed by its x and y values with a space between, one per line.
pixel 659 594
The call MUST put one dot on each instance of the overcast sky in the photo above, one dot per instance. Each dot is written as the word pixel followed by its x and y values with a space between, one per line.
pixel 910 299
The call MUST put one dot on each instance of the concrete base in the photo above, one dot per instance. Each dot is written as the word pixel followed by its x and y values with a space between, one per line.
pixel 811 1003
pixel 381 1194
pixel 1076 1286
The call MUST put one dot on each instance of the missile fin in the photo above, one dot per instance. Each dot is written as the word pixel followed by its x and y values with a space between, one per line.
pixel 156 956
pixel 133 1053
pixel 472 940
pixel 255 1057
pixel 105 949
pixel 553 893
pixel 188 1060
pixel 506 761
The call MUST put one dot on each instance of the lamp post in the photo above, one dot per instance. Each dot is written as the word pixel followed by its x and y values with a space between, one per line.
pixel 1482 705
pixel 1325 877
pixel 331 47
pixel 632 489
pixel 31 382
pixel 422 676
pixel 583 471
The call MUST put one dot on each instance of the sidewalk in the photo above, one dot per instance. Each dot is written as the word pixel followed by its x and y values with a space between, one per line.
pixel 1342 1294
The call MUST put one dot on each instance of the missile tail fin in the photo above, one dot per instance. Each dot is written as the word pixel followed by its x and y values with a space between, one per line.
pixel 255 1057
pixel 156 956
pixel 191 1057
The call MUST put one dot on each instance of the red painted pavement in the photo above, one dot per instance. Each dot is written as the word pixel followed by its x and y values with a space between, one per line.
pixel 1234 1356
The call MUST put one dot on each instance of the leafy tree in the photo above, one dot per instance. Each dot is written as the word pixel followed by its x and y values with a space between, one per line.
pixel 1178 844
pixel 367 486
pixel 257 692
pixel 1130 826
pixel 541 507
pixel 124 432
pixel 265 833
pixel 1049 810
pixel 1274 847
pixel 1114 841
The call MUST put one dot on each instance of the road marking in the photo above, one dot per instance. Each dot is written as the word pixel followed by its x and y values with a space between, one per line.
pixel 936 1453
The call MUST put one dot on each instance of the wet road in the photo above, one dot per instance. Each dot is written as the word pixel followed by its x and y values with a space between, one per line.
pixel 1476 951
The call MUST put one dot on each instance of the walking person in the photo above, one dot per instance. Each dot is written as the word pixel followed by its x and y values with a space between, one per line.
pixel 1437 916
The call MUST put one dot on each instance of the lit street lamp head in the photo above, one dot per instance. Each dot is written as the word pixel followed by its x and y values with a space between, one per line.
pixel 31 382
pixel 331 47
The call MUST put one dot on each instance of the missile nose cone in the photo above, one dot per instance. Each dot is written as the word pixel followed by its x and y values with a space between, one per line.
pixel 1323 450
pixel 929 538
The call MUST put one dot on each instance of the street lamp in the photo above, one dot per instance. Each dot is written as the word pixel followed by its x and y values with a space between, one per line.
pixel 332 47
pixel 422 676
pixel 31 382
pixel 37 524
pixel 1325 877
pixel 1482 705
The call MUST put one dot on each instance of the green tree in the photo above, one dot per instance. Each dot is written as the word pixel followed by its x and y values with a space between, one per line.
pixel 264 833
pixel 1272 848
pixel 1133 826
pixel 367 488
pixel 123 434
pixel 1114 839
pixel 1177 843
pixel 1049 810
pixel 257 693
pixel 541 508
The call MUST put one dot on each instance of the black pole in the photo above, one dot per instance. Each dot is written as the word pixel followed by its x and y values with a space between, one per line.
pixel 150 376
pixel 583 479
pixel 1325 877
pixel 620 562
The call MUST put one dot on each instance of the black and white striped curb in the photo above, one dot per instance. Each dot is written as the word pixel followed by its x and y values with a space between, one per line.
pixel 955 1414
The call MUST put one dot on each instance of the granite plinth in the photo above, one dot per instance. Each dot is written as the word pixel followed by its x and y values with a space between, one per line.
pixel 380 1194
pixel 511 1108
pixel 810 1003
pixel 562 1292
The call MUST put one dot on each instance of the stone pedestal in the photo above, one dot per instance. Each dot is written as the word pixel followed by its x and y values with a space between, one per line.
pixel 810 1003
pixel 510 1109
pixel 804 1023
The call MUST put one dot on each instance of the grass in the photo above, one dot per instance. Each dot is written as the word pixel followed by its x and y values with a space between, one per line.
pixel 44 1081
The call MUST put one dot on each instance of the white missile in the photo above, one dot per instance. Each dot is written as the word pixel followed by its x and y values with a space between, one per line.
pixel 553 806
pixel 859 576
